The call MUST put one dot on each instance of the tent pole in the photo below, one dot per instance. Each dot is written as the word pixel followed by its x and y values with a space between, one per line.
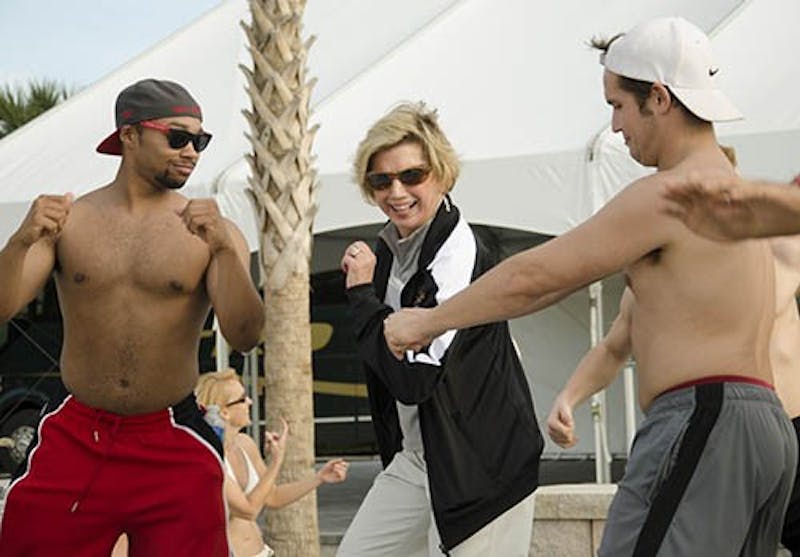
pixel 221 348
pixel 630 409
pixel 602 459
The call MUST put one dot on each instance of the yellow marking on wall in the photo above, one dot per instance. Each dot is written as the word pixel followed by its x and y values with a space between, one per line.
pixel 321 334
pixel 357 390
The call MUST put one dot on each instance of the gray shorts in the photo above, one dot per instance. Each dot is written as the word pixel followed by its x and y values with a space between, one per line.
pixel 710 473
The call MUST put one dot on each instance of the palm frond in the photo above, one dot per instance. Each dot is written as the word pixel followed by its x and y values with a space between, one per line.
pixel 19 105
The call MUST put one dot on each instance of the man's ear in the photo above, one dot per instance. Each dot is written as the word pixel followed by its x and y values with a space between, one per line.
pixel 128 135
pixel 660 98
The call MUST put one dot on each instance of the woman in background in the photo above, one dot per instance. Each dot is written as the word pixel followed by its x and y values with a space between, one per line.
pixel 250 483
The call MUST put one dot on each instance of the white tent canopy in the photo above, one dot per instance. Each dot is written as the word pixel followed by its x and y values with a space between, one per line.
pixel 55 153
pixel 519 95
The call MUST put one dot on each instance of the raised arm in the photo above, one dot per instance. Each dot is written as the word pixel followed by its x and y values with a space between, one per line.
pixel 235 300
pixel 730 208
pixel 248 505
pixel 596 370
pixel 626 229
pixel 29 255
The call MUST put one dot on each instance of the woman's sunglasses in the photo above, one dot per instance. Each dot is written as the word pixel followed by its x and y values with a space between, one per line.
pixel 409 177
pixel 241 400
pixel 178 138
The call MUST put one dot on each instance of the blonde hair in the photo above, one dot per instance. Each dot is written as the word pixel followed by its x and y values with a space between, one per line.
pixel 407 123
pixel 214 387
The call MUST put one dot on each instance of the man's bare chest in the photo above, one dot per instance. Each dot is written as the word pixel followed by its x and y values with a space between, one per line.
pixel 158 256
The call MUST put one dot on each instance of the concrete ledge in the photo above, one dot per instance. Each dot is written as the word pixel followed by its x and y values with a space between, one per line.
pixel 574 501
pixel 330 538
pixel 569 519
pixel 329 543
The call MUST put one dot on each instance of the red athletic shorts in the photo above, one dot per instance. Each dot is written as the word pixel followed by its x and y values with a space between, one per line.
pixel 93 475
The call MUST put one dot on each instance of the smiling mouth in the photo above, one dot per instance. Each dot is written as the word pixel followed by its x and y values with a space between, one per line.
pixel 184 168
pixel 403 208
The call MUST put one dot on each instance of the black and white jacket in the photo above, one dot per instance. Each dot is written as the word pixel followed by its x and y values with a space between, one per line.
pixel 479 432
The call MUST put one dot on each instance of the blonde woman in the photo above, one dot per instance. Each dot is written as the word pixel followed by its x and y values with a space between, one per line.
pixel 250 483
pixel 454 421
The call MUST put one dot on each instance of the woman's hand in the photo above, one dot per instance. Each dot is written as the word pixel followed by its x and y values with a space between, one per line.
pixel 275 443
pixel 358 263
pixel 333 472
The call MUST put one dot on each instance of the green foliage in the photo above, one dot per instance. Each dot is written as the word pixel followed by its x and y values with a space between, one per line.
pixel 20 105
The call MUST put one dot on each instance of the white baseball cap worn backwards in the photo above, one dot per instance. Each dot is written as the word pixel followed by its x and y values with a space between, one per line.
pixel 677 54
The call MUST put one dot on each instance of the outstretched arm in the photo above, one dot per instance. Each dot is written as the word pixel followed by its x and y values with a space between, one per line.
pixel 730 208
pixel 334 471
pixel 596 370
pixel 626 229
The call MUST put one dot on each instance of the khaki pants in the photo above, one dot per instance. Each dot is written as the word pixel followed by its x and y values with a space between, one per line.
pixel 395 519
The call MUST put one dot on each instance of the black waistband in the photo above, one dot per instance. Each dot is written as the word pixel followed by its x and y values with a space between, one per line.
pixel 181 411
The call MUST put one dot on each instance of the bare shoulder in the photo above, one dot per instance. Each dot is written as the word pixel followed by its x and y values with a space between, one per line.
pixel 644 191
pixel 234 229
pixel 245 442
pixel 240 242
pixel 89 200
pixel 635 212
pixel 88 210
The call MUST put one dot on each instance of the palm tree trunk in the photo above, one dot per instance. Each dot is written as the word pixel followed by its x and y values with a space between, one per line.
pixel 283 184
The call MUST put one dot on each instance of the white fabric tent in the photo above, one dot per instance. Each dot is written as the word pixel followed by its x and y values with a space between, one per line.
pixel 518 92
pixel 56 152
pixel 519 95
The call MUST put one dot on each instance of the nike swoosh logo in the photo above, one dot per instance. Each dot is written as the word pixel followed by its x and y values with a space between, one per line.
pixel 712 71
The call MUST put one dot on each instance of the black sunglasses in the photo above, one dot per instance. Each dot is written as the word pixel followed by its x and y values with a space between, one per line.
pixel 409 177
pixel 237 401
pixel 178 138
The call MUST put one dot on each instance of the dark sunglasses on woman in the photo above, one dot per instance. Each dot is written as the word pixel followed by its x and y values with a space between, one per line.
pixel 240 400
pixel 178 138
pixel 409 177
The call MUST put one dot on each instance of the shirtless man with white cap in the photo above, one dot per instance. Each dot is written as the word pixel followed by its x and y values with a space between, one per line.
pixel 713 463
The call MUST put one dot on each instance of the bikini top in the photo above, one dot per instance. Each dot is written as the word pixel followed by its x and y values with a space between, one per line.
pixel 252 474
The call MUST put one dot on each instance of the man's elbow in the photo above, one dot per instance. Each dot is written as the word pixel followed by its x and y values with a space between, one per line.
pixel 247 335
pixel 538 284
pixel 6 313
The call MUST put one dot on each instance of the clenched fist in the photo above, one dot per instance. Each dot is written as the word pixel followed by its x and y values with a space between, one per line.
pixel 45 219
pixel 358 263
pixel 203 219
pixel 561 424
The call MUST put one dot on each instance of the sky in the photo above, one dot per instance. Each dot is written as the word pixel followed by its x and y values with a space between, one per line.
pixel 76 42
